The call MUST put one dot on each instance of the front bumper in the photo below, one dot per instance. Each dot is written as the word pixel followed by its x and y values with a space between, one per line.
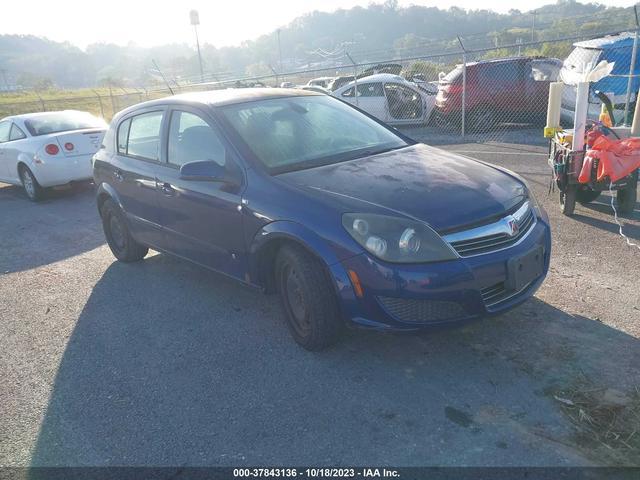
pixel 412 297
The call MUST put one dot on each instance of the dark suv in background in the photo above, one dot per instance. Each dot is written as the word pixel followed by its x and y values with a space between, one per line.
pixel 505 90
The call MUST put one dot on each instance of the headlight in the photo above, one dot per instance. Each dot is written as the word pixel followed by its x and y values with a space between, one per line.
pixel 397 240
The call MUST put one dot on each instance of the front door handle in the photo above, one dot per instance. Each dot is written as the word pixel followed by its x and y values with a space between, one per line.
pixel 118 175
pixel 167 189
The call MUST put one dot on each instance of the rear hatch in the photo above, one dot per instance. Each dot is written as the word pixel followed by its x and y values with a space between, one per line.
pixel 449 89
pixel 80 142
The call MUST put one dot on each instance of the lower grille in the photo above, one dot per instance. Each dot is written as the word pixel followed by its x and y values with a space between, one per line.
pixel 499 293
pixel 421 311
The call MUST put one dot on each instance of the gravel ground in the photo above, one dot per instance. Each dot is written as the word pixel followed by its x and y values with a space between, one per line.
pixel 162 363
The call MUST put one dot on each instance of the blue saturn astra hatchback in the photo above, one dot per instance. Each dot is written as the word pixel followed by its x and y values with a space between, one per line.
pixel 301 194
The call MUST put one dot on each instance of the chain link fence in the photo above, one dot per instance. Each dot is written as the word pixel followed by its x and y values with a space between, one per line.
pixel 487 94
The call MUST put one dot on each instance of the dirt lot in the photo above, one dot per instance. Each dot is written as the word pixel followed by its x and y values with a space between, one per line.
pixel 162 363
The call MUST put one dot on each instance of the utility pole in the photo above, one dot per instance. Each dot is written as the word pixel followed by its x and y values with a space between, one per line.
pixel 195 21
pixel 279 50
pixel 533 26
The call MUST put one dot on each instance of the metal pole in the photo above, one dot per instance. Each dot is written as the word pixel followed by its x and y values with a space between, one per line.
pixel 632 68
pixel 533 26
pixel 279 50
pixel 99 101
pixel 355 77
pixel 464 93
pixel 464 87
pixel 195 28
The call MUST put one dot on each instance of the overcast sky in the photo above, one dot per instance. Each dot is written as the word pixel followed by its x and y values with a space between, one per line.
pixel 223 22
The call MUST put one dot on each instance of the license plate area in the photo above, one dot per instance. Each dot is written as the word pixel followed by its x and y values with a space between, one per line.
pixel 524 269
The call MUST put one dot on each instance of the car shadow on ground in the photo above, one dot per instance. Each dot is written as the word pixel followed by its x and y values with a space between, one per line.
pixel 67 218
pixel 173 365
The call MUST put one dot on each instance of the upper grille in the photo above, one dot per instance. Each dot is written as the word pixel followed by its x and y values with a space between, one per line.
pixel 421 311
pixel 494 236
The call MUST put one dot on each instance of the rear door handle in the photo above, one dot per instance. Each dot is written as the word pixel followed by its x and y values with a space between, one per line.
pixel 118 175
pixel 167 189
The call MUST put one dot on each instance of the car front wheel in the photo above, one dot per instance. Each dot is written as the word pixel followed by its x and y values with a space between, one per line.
pixel 308 298
pixel 118 236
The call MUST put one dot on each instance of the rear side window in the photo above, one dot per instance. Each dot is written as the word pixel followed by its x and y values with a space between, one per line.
pixel 16 133
pixel 5 128
pixel 123 136
pixel 370 90
pixel 144 136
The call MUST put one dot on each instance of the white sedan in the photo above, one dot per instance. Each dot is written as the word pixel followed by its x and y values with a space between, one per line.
pixel 39 150
pixel 389 98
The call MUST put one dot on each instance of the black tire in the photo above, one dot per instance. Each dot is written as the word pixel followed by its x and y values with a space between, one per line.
pixel 116 230
pixel 568 199
pixel 627 197
pixel 31 186
pixel 585 195
pixel 481 120
pixel 308 298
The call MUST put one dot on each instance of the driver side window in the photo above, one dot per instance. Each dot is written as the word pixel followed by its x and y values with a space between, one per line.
pixel 191 139
pixel 5 128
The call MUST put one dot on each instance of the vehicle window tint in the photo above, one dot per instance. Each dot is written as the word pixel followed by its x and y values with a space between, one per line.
pixel 545 71
pixel 5 128
pixel 16 133
pixel 123 134
pixel 191 139
pixel 348 92
pixel 370 90
pixel 144 136
pixel 499 73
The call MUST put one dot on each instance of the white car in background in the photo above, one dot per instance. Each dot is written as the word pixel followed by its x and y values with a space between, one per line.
pixel 390 98
pixel 40 150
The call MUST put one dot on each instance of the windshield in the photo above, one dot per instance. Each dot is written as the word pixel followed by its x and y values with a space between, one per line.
pixel 295 133
pixel 580 57
pixel 56 122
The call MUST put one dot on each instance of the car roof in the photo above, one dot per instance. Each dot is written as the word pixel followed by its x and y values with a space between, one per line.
pixel 377 77
pixel 506 60
pixel 610 41
pixel 26 116
pixel 217 98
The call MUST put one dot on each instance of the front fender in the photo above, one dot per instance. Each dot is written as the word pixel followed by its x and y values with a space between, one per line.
pixel 288 230
pixel 274 232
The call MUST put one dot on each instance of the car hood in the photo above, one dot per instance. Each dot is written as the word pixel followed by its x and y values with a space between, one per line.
pixel 443 189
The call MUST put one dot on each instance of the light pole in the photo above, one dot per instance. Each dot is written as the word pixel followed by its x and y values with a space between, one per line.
pixel 279 50
pixel 195 21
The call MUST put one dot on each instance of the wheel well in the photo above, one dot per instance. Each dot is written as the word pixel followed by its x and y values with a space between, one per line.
pixel 103 197
pixel 20 166
pixel 266 263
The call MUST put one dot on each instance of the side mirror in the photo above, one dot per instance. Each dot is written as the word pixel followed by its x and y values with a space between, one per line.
pixel 207 171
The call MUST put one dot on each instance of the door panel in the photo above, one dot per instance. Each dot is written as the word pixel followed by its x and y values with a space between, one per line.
pixel 202 219
pixel 134 177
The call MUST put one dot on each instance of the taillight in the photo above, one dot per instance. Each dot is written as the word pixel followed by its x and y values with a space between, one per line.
pixel 52 149
pixel 69 146
pixel 451 89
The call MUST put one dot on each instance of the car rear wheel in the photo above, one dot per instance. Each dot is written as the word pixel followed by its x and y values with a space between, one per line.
pixel 31 186
pixel 120 241
pixel 308 298
pixel 585 195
